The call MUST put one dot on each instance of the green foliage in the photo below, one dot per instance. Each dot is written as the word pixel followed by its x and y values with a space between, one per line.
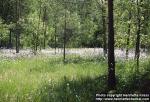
pixel 84 22
pixel 81 22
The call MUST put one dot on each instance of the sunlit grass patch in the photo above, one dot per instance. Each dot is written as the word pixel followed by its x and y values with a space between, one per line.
pixel 21 78
pixel 43 79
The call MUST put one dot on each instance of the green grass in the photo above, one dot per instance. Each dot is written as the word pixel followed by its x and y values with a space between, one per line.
pixel 43 79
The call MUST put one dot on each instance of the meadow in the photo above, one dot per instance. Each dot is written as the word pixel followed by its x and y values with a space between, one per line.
pixel 71 50
pixel 43 79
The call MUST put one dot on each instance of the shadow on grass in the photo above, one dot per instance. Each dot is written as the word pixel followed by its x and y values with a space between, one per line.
pixel 145 82
pixel 82 90
pixel 85 89
pixel 135 83
pixel 77 60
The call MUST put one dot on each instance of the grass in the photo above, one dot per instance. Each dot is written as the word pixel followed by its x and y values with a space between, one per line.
pixel 43 79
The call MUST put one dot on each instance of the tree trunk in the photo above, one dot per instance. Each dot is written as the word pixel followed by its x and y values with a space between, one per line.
pixel 17 25
pixel 17 43
pixel 45 29
pixel 138 37
pixel 10 39
pixel 111 56
pixel 64 37
pixel 104 30
pixel 137 49
pixel 45 26
pixel 146 24
pixel 128 37
pixel 55 37
pixel 36 38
